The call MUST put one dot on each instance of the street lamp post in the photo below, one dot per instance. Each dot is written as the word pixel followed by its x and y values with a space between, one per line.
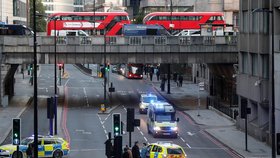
pixel 35 102
pixel 105 78
pixel 55 80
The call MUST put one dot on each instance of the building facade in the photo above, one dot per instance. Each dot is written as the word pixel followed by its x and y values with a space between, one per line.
pixel 13 11
pixel 254 84
pixel 54 6
pixel 105 5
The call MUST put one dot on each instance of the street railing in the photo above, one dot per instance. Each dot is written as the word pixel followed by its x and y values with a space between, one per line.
pixel 227 110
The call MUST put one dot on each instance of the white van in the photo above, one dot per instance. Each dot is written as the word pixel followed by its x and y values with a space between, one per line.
pixel 69 33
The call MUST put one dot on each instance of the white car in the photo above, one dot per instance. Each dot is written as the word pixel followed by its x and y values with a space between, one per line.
pixel 188 33
pixel 145 100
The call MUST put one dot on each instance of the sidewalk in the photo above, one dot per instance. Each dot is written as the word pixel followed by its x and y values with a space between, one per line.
pixel 17 105
pixel 216 124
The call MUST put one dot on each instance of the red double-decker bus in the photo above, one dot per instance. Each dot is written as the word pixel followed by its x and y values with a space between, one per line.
pixel 90 22
pixel 183 20
pixel 132 71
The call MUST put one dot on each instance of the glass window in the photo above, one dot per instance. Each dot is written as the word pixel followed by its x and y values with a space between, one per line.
pixel 255 25
pixel 254 64
pixel 155 148
pixel 265 65
pixel 155 18
pixel 47 142
pixel 245 21
pixel 265 22
pixel 163 18
pixel 184 18
pixel 244 62
pixel 174 151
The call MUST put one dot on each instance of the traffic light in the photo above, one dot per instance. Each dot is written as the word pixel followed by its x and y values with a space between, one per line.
pixel 107 68
pixel 16 131
pixel 130 120
pixel 116 124
pixel 60 65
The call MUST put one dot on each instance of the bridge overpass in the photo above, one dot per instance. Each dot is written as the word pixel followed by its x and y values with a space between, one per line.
pixel 17 50
pixel 119 49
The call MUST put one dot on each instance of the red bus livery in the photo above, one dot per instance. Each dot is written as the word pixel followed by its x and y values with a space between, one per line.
pixel 183 20
pixel 111 22
pixel 132 71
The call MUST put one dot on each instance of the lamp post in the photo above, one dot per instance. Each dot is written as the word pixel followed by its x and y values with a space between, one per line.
pixel 35 101
pixel 94 29
pixel 55 80
pixel 105 78
pixel 273 143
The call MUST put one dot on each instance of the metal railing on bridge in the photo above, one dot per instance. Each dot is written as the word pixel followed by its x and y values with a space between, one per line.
pixel 122 40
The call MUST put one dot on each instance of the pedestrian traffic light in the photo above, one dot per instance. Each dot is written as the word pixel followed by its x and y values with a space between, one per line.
pixel 116 124
pixel 60 66
pixel 16 131
pixel 130 120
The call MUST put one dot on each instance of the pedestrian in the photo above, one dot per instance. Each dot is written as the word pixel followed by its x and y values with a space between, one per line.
pixel 135 150
pixel 125 153
pixel 29 151
pixel 180 80
pixel 162 85
pixel 175 76
pixel 144 151
pixel 158 73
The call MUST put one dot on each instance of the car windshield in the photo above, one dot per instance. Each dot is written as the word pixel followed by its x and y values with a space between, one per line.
pixel 149 99
pixel 175 151
pixel 26 141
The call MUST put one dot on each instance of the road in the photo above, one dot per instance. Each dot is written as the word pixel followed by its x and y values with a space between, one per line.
pixel 87 130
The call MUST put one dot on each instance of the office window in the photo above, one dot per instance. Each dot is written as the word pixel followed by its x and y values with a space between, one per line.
pixel 254 64
pixel 245 22
pixel 255 25
pixel 244 62
pixel 265 65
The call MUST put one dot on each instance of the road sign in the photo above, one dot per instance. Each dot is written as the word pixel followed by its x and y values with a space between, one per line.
pixel 201 86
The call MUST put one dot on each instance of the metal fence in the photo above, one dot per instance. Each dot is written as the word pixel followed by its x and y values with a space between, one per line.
pixel 227 110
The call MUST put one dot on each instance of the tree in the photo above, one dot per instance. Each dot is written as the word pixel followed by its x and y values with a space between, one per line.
pixel 40 18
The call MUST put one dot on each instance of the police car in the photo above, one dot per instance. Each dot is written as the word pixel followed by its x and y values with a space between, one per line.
pixel 145 100
pixel 48 146
pixel 165 150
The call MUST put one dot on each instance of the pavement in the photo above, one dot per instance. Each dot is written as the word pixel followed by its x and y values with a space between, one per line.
pixel 217 124
pixel 220 126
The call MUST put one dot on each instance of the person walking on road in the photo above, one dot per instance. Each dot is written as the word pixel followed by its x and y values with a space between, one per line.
pixel 125 153
pixel 180 80
pixel 144 151
pixel 135 150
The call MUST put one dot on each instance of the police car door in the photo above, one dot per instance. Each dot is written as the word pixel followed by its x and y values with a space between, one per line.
pixel 154 152
pixel 149 148
pixel 41 152
pixel 49 147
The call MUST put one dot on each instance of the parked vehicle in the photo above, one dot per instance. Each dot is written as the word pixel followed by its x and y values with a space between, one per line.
pixel 144 30
pixel 15 29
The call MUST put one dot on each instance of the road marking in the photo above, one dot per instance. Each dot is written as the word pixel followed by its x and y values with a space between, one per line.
pixel 182 139
pixel 190 133
pixel 141 132
pixel 103 126
pixel 105 131
pixel 188 145
pixel 86 96
pixel 145 139
pixel 79 130
pixel 47 90
pixel 138 128
pixel 87 133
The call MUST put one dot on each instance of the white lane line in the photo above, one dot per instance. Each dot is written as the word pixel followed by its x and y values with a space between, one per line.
pixel 141 133
pixel 47 90
pixel 145 139
pixel 188 145
pixel 107 136
pixel 86 96
pixel 138 128
pixel 103 126
pixel 182 139
pixel 105 131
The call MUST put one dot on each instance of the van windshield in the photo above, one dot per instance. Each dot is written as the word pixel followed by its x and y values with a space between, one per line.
pixel 165 117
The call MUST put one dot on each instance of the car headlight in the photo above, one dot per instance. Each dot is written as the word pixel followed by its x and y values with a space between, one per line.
pixel 142 106
pixel 156 128
pixel 174 128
